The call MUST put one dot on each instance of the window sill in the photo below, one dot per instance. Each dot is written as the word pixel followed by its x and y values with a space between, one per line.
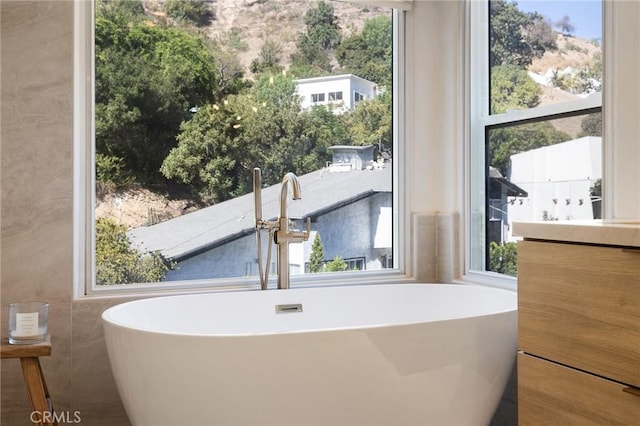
pixel 245 284
pixel 490 280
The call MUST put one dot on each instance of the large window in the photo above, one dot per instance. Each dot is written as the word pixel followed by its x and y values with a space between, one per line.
pixel 536 122
pixel 186 106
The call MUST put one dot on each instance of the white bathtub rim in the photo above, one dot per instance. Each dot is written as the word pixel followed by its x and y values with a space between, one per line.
pixel 110 318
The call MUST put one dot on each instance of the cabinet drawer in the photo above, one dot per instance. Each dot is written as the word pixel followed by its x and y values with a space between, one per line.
pixel 579 305
pixel 551 394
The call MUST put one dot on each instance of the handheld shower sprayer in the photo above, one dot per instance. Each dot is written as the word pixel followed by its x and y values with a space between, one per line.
pixel 260 225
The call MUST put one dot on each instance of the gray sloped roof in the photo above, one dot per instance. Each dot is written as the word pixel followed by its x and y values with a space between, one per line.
pixel 321 191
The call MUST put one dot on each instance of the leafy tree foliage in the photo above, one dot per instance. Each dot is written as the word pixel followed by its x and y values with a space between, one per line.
pixel 515 36
pixel 263 126
pixel 336 265
pixel 512 88
pixel 118 263
pixel 565 25
pixel 322 26
pixel 147 79
pixel 371 123
pixel 540 34
pixel 504 258
pixel 195 11
pixel 591 125
pixel 586 80
pixel 369 54
pixel 269 59
pixel 317 44
pixel 505 142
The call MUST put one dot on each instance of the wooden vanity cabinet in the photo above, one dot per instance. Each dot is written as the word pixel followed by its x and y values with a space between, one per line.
pixel 553 394
pixel 578 334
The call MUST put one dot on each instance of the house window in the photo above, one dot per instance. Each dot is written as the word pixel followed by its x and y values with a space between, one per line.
pixel 317 97
pixel 335 96
pixel 357 97
pixel 356 264
pixel 181 120
pixel 536 122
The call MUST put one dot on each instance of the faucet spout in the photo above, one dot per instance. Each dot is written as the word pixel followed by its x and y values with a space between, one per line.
pixel 283 236
pixel 288 179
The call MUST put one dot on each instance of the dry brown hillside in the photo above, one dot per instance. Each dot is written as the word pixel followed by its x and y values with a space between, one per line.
pixel 252 22
pixel 572 53
pixel 277 20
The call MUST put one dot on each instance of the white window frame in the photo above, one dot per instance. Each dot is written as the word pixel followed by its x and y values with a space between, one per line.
pixel 480 120
pixel 84 182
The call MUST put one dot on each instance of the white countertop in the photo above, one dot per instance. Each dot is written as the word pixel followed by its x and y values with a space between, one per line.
pixel 618 232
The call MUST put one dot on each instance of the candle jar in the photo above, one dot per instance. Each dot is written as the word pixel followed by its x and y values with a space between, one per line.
pixel 28 322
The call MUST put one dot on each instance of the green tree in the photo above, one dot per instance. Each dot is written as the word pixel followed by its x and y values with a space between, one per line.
pixel 209 151
pixel 565 25
pixel 586 80
pixel 218 148
pixel 539 33
pixel 195 11
pixel 336 265
pixel 514 38
pixel 315 46
pixel 316 257
pixel 369 54
pixel 512 88
pixel 117 262
pixel 505 142
pixel 268 60
pixel 147 79
pixel 318 129
pixel 371 123
pixel 591 125
pixel 504 258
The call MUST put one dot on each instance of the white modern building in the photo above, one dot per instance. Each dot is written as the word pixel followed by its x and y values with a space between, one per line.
pixel 558 180
pixel 339 93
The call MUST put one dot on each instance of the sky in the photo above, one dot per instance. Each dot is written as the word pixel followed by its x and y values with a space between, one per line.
pixel 585 15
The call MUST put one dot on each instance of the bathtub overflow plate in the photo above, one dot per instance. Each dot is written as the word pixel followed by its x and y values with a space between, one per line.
pixel 288 308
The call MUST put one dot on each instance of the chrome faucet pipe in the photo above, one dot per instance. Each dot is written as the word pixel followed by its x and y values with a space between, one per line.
pixel 282 235
pixel 292 179
pixel 257 195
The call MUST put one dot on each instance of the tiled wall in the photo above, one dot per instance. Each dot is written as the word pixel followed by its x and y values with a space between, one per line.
pixel 37 218
pixel 37 214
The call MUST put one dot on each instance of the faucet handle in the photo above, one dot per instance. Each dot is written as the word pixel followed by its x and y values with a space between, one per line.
pixel 298 235
pixel 307 231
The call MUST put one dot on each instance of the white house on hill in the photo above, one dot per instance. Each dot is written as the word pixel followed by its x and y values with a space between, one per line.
pixel 339 93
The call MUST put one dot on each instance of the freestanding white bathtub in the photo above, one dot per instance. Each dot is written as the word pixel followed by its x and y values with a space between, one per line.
pixel 396 354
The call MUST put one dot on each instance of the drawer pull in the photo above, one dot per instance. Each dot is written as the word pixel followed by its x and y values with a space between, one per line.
pixel 632 390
